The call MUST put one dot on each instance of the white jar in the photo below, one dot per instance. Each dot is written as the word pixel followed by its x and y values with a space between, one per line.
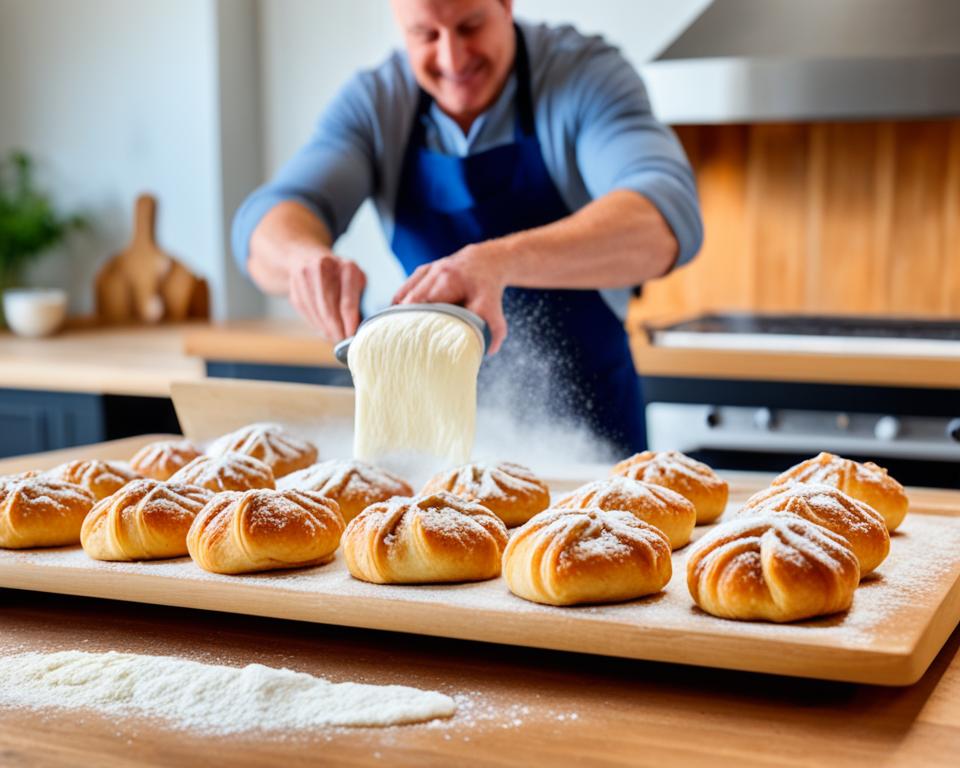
pixel 34 312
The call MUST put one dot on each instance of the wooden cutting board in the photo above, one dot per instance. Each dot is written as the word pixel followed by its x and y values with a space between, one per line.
pixel 899 620
pixel 145 284
pixel 212 407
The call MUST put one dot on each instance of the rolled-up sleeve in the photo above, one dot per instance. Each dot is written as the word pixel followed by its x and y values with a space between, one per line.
pixel 331 175
pixel 621 145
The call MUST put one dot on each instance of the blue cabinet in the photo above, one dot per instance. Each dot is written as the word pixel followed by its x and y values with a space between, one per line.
pixel 32 421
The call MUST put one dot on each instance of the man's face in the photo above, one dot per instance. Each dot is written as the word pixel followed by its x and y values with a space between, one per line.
pixel 461 51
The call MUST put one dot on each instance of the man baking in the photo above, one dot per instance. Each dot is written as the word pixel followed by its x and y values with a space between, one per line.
pixel 517 170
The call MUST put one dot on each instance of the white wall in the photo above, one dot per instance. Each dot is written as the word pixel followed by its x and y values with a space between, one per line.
pixel 114 98
pixel 198 101
pixel 309 48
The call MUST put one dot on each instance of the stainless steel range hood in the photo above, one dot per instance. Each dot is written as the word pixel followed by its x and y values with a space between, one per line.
pixel 766 60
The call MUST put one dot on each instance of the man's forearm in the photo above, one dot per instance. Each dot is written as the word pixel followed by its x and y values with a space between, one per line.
pixel 616 241
pixel 286 235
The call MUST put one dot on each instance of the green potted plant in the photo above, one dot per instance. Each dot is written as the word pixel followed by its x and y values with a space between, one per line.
pixel 29 228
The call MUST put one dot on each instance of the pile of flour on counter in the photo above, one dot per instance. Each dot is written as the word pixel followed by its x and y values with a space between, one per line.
pixel 207 697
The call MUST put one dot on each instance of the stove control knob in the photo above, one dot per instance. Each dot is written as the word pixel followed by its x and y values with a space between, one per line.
pixel 887 428
pixel 713 418
pixel 763 418
pixel 953 430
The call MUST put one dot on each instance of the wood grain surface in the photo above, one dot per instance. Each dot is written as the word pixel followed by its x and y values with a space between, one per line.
pixel 210 408
pixel 118 361
pixel 852 368
pixel 144 361
pixel 897 624
pixel 839 217
pixel 517 706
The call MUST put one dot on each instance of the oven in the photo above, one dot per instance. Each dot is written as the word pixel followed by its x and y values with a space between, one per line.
pixel 754 424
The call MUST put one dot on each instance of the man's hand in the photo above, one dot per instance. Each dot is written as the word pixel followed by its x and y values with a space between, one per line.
pixel 325 290
pixel 470 277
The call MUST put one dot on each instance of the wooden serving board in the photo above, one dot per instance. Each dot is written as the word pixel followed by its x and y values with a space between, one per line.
pixel 900 618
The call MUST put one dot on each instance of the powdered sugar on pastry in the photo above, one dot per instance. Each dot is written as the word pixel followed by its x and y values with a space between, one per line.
pixel 41 511
pixel 510 491
pixel 431 538
pixel 830 507
pixel 774 567
pixel 570 556
pixel 162 458
pixel 354 485
pixel 230 471
pixel 694 480
pixel 282 451
pixel 101 478
pixel 654 504
pixel 866 482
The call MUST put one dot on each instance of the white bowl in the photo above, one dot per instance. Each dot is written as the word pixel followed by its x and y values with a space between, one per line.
pixel 34 312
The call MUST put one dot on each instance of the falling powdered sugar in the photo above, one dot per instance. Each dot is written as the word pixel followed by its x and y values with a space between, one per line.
pixel 206 697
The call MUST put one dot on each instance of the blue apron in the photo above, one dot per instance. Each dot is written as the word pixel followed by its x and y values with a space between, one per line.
pixel 566 357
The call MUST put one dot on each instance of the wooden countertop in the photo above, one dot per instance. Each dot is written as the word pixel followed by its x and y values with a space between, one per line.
pixel 144 360
pixel 120 361
pixel 518 706
pixel 292 343
pixel 526 707
pixel 268 341
pixel 820 368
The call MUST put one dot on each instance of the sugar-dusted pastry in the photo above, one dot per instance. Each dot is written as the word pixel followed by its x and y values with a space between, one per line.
pixel 163 458
pixel 354 485
pixel 692 479
pixel 263 530
pixel 435 537
pixel 511 491
pixel 654 504
pixel 570 556
pixel 772 567
pixel 866 482
pixel 101 478
pixel 145 520
pixel 230 471
pixel 41 511
pixel 282 451
pixel 860 524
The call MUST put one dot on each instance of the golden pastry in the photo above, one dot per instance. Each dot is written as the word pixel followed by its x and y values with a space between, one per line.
pixel 866 482
pixel 101 478
pixel 512 492
pixel 692 479
pixel 570 556
pixel 654 504
pixel 145 520
pixel 354 485
pixel 860 524
pixel 231 471
pixel 436 537
pixel 161 459
pixel 263 530
pixel 772 567
pixel 40 511
pixel 282 451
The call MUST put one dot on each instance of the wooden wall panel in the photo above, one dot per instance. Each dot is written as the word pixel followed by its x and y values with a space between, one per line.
pixel 951 281
pixel 777 238
pixel 718 158
pixel 845 195
pixel 854 217
pixel 918 232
